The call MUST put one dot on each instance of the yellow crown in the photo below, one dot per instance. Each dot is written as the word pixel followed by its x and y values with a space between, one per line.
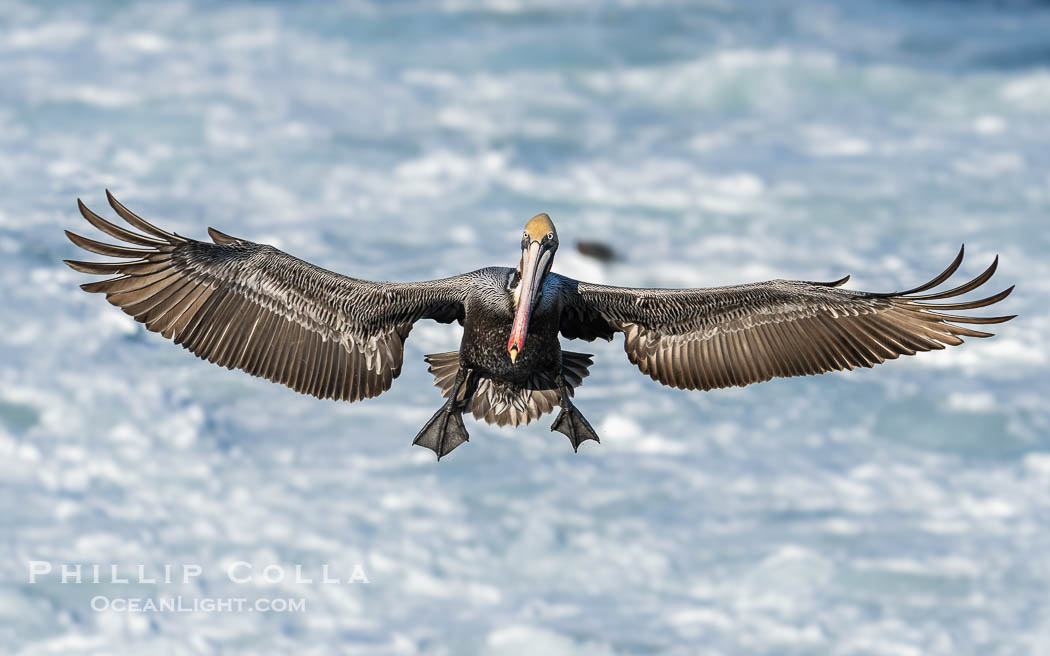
pixel 539 226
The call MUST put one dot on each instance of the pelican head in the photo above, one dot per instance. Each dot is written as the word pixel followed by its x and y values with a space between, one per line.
pixel 538 245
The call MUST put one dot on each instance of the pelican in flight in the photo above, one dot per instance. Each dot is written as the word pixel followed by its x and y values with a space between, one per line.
pixel 253 307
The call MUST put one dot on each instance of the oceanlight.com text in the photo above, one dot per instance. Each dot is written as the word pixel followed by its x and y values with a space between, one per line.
pixel 180 604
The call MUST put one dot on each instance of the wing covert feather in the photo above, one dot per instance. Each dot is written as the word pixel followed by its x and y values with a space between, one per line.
pixel 253 307
pixel 733 336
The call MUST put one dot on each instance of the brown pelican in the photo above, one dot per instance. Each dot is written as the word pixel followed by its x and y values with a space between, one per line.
pixel 250 306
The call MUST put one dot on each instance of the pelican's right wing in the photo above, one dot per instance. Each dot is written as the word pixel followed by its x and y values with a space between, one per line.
pixel 726 336
pixel 253 307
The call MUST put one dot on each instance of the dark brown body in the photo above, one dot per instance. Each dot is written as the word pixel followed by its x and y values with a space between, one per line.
pixel 483 378
pixel 487 324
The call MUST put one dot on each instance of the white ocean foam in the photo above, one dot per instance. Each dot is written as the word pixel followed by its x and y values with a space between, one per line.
pixel 892 511
pixel 1030 91
pixel 974 402
pixel 989 124
pixel 524 640
pixel 51 35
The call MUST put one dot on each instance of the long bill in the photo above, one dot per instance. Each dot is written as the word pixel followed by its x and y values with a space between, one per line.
pixel 535 261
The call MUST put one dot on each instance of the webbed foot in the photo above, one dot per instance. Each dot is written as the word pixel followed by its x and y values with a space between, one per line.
pixel 575 426
pixel 443 433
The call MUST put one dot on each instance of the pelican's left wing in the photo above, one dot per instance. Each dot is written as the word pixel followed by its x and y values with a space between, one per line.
pixel 726 336
pixel 253 307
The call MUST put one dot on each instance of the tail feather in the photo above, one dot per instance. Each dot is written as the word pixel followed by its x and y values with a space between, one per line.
pixel 506 404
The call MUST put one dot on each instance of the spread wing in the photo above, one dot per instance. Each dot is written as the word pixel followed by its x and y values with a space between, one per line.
pixel 726 336
pixel 251 306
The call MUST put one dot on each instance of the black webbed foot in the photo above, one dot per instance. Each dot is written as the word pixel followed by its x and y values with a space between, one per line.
pixel 574 425
pixel 445 430
pixel 443 433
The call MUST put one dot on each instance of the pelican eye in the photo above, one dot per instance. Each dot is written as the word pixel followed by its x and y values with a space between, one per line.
pixel 550 236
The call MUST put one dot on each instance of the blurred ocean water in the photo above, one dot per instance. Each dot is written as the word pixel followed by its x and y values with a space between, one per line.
pixel 901 510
